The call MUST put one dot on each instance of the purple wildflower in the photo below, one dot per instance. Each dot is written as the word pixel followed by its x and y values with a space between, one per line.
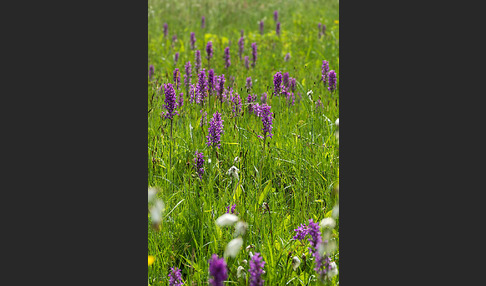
pixel 202 87
pixel 287 57
pixel 151 71
pixel 211 80
pixel 292 84
pixel 323 29
pixel 247 64
pixel 319 104
pixel 180 100
pixel 263 98
pixel 220 87
pixel 275 15
pixel 217 269
pixel 278 29
pixel 177 78
pixel 253 54
pixel 319 29
pixel 188 75
pixel 236 100
pixel 266 116
pixel 227 61
pixel 170 102
pixel 198 61
pixel 249 84
pixel 242 32
pixel 261 27
pixel 176 57
pixel 332 81
pixel 199 164
pixel 215 130
pixel 286 80
pixel 203 118
pixel 315 240
pixel 241 45
pixel 277 83
pixel 165 30
pixel 175 278
pixel 301 232
pixel 193 40
pixel 325 71
pixel 232 209
pixel 203 22
pixel 290 98
pixel 250 101
pixel 256 270
pixel 209 50
pixel 192 93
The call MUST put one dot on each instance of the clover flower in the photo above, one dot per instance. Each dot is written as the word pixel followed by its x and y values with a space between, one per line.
pixel 256 270
pixel 215 131
pixel 217 269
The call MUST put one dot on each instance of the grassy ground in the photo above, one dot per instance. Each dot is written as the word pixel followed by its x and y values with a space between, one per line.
pixel 296 174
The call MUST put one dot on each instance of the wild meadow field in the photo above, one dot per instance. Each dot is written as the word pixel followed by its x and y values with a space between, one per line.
pixel 243 142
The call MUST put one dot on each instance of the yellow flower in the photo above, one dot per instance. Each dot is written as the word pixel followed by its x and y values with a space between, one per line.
pixel 151 260
pixel 336 21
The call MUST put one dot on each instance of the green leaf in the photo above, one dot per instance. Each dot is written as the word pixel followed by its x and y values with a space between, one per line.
pixel 264 193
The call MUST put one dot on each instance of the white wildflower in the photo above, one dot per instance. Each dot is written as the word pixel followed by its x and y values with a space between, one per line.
pixel 226 219
pixel 335 212
pixel 240 272
pixel 151 194
pixel 237 159
pixel 233 247
pixel 333 271
pixel 234 172
pixel 295 262
pixel 309 94
pixel 250 254
pixel 244 261
pixel 328 222
pixel 156 211
pixel 240 228
pixel 209 160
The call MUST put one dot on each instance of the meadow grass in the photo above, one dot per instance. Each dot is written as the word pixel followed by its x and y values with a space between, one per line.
pixel 292 179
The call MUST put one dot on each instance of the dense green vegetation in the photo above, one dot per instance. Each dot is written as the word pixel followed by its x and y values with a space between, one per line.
pixel 282 181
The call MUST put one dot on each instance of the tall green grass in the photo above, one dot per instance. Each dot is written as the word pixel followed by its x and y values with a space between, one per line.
pixel 295 174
